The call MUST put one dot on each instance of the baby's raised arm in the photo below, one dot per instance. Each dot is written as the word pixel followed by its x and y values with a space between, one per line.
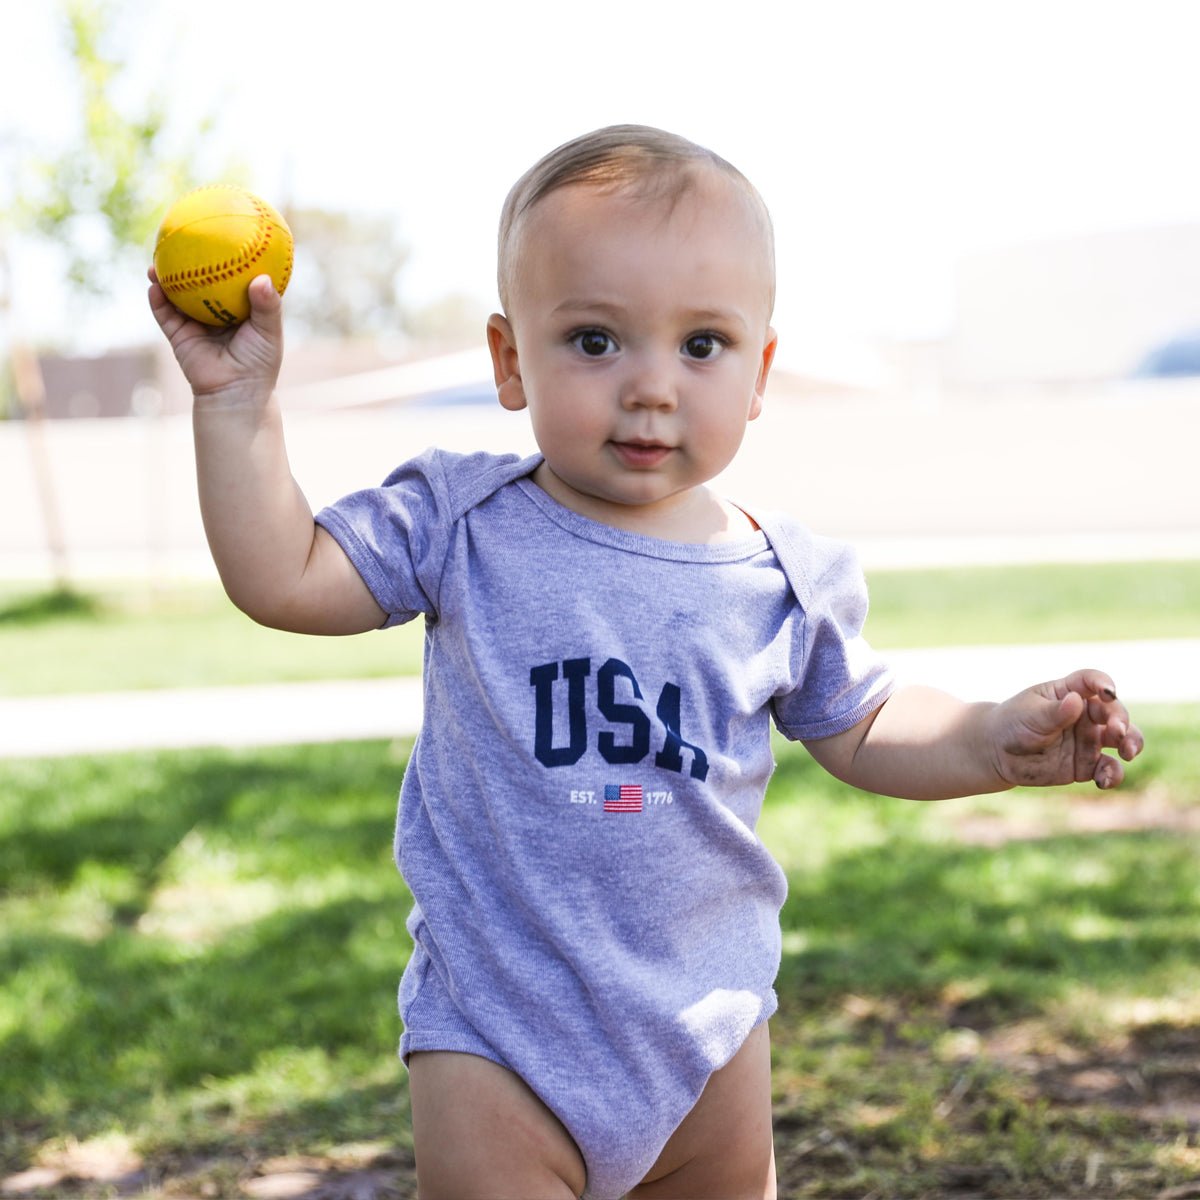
pixel 276 563
pixel 926 745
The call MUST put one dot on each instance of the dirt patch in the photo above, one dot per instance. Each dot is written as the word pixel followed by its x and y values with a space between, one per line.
pixel 71 1167
pixel 1103 813
pixel 83 1173
pixel 1155 1078
pixel 388 1177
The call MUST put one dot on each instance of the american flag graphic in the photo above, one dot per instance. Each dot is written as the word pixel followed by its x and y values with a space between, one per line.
pixel 625 797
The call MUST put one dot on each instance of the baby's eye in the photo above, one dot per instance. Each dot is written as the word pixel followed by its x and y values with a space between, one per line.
pixel 595 343
pixel 703 345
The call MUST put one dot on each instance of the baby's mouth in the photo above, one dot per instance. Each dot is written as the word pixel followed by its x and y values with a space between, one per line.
pixel 641 455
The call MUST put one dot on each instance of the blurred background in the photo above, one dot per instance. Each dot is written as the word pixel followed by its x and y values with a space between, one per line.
pixel 988 222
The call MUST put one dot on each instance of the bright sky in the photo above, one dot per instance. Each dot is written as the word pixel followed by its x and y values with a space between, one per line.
pixel 889 137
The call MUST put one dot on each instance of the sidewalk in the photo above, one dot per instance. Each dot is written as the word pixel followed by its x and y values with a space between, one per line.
pixel 263 715
pixel 1146 672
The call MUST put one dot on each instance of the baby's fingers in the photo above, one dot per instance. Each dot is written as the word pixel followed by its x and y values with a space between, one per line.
pixel 1120 733
pixel 1109 772
pixel 1090 684
pixel 169 318
pixel 1091 736
pixel 1132 744
pixel 1115 732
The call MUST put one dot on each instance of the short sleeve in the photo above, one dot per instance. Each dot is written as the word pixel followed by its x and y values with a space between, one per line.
pixel 397 536
pixel 842 679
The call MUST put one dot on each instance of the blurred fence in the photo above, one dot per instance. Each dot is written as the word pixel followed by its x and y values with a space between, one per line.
pixel 1111 474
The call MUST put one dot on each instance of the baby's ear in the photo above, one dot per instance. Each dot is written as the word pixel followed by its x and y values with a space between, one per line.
pixel 505 365
pixel 770 344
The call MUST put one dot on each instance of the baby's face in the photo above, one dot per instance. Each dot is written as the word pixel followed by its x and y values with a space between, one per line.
pixel 638 336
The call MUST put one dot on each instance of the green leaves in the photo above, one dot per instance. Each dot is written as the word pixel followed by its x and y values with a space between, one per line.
pixel 100 197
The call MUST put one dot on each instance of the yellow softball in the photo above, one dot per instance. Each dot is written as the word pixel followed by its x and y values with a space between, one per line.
pixel 211 243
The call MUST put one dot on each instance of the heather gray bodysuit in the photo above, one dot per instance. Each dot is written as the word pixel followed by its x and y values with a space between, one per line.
pixel 594 910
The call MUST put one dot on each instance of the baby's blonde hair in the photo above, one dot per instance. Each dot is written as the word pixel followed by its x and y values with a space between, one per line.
pixel 659 165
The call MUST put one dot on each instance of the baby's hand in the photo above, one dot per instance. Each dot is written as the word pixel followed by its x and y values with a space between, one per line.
pixel 1055 733
pixel 232 366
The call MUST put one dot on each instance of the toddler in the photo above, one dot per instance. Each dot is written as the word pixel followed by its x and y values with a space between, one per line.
pixel 607 643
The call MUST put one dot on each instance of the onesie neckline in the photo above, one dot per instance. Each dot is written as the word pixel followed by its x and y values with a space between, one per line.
pixel 734 550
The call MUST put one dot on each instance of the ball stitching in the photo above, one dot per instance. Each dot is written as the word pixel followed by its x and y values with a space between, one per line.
pixel 251 251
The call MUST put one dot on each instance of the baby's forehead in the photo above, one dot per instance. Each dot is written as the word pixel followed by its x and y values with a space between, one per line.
pixel 682 193
pixel 723 203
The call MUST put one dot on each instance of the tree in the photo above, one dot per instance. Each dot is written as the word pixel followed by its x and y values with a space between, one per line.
pixel 351 265
pixel 98 200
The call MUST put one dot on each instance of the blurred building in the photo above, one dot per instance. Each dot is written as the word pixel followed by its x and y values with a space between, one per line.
pixel 1078 311
pixel 118 384
pixel 1053 317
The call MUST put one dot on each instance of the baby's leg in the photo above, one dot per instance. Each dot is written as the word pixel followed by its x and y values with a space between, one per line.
pixel 724 1148
pixel 480 1133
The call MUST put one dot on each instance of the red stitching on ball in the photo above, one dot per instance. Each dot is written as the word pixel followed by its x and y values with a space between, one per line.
pixel 198 277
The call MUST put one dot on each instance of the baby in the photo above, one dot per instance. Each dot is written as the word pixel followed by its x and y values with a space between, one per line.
pixel 596 927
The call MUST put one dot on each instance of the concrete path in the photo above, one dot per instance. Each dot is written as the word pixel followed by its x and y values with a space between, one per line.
pixel 263 715
pixel 1160 671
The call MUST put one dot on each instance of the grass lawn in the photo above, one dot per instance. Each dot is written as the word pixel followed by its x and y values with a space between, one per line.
pixel 199 952
pixel 183 636
pixel 192 636
pixel 1041 603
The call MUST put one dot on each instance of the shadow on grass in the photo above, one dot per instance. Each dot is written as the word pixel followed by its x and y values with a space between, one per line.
pixel 961 1019
pixel 62 603
pixel 892 903
pixel 291 806
pixel 190 938
pixel 202 949
pixel 1022 923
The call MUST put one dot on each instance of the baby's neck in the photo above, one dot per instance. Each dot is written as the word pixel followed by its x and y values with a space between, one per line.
pixel 696 517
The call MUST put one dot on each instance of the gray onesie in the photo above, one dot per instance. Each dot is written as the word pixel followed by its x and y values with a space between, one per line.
pixel 594 910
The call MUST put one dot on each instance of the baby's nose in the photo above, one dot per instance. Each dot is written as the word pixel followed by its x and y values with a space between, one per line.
pixel 650 384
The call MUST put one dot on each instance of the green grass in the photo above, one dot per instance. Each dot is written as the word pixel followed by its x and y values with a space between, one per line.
pixel 1016 1018
pixel 1042 603
pixel 184 636
pixel 199 950
pixel 199 953
pixel 139 637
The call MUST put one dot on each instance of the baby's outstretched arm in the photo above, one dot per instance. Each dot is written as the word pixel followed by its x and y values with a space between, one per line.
pixel 926 745
pixel 277 565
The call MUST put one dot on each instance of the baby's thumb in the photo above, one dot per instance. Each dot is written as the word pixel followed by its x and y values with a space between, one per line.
pixel 266 307
pixel 1055 715
pixel 1039 714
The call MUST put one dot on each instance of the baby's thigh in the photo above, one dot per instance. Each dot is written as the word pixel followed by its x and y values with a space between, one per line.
pixel 724 1148
pixel 480 1132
